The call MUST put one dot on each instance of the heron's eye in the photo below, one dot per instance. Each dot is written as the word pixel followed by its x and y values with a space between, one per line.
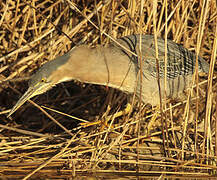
pixel 43 80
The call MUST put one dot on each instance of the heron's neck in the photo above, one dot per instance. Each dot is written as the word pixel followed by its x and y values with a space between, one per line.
pixel 101 65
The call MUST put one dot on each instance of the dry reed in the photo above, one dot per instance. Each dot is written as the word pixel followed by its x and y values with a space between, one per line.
pixel 46 142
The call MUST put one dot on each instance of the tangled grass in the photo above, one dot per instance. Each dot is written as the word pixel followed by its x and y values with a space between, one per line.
pixel 34 145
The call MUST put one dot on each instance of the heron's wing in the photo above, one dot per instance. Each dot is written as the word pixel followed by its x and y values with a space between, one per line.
pixel 180 61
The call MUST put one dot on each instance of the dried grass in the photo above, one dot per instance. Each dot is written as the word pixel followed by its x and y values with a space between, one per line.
pixel 38 142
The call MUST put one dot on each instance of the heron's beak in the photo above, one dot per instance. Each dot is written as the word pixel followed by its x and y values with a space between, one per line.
pixel 31 92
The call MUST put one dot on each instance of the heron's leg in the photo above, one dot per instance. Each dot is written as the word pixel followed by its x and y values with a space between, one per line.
pixel 152 121
pixel 117 114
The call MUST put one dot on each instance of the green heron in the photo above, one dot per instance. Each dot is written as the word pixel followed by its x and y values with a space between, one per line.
pixel 116 67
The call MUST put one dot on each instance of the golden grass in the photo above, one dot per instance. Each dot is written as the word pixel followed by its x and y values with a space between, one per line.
pixel 37 142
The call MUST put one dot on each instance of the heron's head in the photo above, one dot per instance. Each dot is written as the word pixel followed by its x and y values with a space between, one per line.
pixel 45 78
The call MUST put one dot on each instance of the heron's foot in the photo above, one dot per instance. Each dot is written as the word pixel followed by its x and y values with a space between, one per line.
pixel 105 123
pixel 124 112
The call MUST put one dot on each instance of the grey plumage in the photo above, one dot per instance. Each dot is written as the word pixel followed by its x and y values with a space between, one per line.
pixel 180 60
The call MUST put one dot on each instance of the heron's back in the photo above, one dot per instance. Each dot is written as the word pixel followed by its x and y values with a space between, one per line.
pixel 180 66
